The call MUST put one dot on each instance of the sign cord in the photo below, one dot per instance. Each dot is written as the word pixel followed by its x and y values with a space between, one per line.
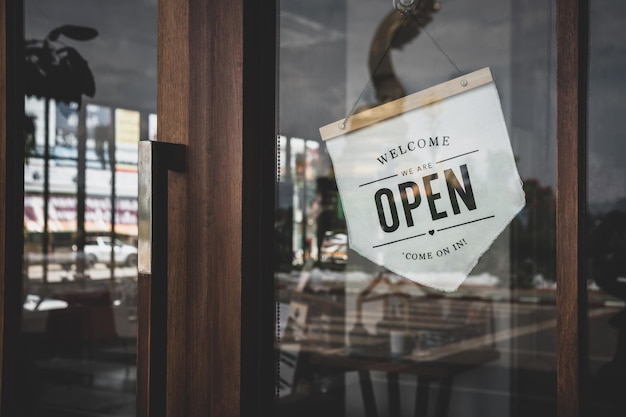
pixel 439 47
pixel 406 15
pixel 369 80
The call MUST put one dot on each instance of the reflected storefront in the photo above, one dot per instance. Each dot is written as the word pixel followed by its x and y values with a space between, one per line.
pixel 357 339
pixel 266 307
pixel 90 96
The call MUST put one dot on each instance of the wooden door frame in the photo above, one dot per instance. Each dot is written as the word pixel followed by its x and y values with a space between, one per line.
pixel 216 87
pixel 571 199
pixel 11 201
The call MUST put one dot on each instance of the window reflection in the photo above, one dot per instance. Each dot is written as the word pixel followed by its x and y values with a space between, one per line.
pixel 80 290
pixel 355 339
pixel 606 218
pixel 90 97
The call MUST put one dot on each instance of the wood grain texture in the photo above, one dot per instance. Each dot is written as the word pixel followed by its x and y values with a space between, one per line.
pixel 215 208
pixel 200 104
pixel 143 345
pixel 411 102
pixel 571 200
pixel 173 91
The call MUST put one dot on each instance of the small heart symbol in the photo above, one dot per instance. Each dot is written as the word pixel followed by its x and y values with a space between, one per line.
pixel 431 232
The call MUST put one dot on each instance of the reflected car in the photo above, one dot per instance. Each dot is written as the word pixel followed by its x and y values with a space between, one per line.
pixel 98 250
pixel 34 302
pixel 334 248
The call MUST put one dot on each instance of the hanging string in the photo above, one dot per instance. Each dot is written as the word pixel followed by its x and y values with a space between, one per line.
pixel 374 71
pixel 438 46
pixel 406 14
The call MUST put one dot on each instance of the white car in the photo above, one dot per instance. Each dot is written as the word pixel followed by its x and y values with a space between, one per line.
pixel 98 250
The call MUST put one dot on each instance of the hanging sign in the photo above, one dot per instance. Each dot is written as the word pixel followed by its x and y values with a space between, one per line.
pixel 428 181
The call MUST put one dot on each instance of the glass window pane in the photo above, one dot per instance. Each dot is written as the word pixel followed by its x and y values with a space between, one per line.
pixel 90 80
pixel 606 212
pixel 354 338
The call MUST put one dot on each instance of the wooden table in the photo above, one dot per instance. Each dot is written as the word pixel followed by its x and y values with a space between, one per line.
pixel 442 370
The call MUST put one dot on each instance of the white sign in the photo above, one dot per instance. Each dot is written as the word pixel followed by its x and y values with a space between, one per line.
pixel 428 181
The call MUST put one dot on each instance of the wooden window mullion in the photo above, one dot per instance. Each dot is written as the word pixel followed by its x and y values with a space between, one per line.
pixel 572 58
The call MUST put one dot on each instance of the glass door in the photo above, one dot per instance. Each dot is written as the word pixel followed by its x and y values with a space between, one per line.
pixel 354 337
pixel 606 290
pixel 89 80
pixel 351 336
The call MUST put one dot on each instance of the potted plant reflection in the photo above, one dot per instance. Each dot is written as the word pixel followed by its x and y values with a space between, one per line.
pixel 56 71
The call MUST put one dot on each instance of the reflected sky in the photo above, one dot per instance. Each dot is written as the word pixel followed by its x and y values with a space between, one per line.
pixel 607 124
pixel 122 57
pixel 511 37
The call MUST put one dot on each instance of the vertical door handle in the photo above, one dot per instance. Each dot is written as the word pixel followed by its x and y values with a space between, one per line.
pixel 156 159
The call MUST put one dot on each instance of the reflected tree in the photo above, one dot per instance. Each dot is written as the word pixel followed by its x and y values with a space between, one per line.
pixel 607 251
pixel 533 237
pixel 56 71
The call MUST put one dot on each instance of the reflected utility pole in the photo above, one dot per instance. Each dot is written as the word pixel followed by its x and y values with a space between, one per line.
pixel 45 241
pixel 80 191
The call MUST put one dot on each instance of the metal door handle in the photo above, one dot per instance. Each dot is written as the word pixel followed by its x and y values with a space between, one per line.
pixel 156 159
